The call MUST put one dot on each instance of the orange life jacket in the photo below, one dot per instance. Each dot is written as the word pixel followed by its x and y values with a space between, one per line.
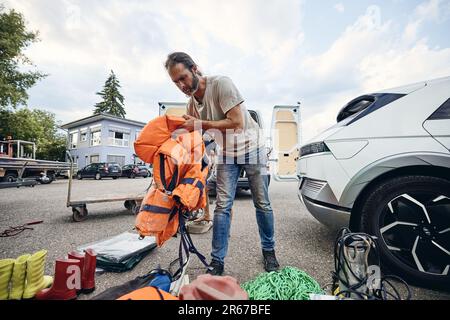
pixel 179 175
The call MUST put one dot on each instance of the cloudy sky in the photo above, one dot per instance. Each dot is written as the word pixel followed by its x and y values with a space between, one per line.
pixel 321 53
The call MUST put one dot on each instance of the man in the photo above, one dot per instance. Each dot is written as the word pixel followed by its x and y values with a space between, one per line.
pixel 216 106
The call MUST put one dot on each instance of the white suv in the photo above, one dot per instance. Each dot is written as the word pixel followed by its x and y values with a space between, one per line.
pixel 384 169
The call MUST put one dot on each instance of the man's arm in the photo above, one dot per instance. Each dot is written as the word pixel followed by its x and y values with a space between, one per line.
pixel 234 121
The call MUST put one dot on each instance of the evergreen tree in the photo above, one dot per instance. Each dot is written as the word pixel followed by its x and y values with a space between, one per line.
pixel 112 99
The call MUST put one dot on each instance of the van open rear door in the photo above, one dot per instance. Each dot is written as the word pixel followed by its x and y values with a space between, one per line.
pixel 285 142
pixel 172 108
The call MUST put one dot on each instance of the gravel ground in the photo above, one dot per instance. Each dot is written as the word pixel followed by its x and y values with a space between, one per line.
pixel 302 242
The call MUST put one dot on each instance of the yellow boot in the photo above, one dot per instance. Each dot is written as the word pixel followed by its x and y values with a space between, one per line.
pixel 35 275
pixel 18 277
pixel 6 268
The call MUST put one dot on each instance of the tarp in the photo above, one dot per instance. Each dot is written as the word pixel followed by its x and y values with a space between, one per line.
pixel 122 252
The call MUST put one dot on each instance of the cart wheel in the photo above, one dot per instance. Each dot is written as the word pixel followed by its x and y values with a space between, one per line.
pixel 132 206
pixel 136 208
pixel 127 204
pixel 79 214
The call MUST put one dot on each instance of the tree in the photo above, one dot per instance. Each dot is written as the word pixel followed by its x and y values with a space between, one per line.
pixel 38 126
pixel 112 99
pixel 14 38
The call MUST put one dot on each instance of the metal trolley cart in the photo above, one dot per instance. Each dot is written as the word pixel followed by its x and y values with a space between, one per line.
pixel 79 206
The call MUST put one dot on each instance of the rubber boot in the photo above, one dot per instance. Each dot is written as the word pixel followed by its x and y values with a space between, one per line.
pixel 18 277
pixel 35 275
pixel 67 280
pixel 73 255
pixel 88 275
pixel 6 269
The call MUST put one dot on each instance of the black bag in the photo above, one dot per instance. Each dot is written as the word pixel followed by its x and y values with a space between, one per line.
pixel 116 292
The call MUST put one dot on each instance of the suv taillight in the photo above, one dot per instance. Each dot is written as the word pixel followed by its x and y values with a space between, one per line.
pixel 312 148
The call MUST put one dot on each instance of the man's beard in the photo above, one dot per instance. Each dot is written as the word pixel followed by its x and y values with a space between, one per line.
pixel 195 84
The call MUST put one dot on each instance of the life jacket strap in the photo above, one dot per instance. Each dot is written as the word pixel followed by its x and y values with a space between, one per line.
pixel 162 171
pixel 186 245
pixel 193 181
pixel 156 209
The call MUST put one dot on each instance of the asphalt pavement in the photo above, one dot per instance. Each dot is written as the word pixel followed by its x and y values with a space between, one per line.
pixel 301 241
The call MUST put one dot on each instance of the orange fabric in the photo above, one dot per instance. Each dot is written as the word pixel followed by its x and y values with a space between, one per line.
pixel 182 151
pixel 154 134
pixel 147 293
pixel 158 222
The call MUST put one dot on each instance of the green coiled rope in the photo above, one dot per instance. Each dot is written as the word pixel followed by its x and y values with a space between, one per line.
pixel 287 284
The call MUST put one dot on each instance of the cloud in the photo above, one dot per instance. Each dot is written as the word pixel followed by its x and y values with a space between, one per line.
pixel 429 10
pixel 411 59
pixel 263 48
pixel 339 7
pixel 433 10
pixel 337 67
pixel 369 57
pixel 81 41
pixel 400 67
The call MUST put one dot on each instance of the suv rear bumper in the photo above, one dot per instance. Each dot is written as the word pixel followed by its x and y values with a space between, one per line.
pixel 321 203
pixel 331 217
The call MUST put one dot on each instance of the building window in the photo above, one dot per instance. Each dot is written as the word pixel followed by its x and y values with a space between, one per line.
pixel 138 132
pixel 94 158
pixel 116 159
pixel 96 138
pixel 73 140
pixel 118 139
pixel 83 137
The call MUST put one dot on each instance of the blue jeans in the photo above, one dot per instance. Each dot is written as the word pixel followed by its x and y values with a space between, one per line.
pixel 227 178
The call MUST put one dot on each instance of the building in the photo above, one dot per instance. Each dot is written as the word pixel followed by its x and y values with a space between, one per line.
pixel 103 138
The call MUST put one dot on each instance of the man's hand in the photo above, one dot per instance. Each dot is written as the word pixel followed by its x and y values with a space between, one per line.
pixel 234 120
pixel 189 124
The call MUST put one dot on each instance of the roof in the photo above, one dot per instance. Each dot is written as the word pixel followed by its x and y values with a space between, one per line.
pixel 98 117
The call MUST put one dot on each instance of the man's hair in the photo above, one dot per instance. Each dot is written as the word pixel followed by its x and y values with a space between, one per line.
pixel 179 57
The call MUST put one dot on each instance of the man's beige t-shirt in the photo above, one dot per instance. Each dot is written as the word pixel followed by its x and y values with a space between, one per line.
pixel 221 95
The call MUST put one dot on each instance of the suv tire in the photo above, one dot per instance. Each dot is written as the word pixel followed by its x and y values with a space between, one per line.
pixel 410 215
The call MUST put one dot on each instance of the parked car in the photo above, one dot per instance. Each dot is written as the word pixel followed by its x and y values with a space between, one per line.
pixel 135 170
pixel 100 170
pixel 384 169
